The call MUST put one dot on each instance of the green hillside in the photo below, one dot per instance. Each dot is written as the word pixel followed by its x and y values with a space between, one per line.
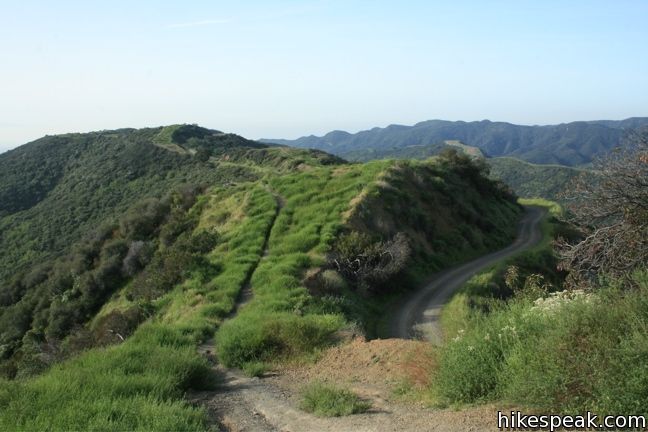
pixel 100 329
pixel 532 180
pixel 57 188
pixel 105 196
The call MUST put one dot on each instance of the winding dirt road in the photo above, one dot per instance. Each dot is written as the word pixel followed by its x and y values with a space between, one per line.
pixel 418 317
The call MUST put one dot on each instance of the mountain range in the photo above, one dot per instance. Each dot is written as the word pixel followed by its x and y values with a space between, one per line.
pixel 569 144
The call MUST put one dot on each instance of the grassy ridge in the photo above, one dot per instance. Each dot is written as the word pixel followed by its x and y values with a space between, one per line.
pixel 380 198
pixel 283 319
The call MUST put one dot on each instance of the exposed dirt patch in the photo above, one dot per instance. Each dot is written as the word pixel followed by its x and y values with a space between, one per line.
pixel 378 364
pixel 371 369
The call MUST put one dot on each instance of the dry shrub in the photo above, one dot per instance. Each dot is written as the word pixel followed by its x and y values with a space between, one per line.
pixel 117 325
pixel 613 214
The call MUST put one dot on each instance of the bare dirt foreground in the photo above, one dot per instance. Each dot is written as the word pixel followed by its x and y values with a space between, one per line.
pixel 375 370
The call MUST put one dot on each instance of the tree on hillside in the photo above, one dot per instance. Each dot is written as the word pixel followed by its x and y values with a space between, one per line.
pixel 613 213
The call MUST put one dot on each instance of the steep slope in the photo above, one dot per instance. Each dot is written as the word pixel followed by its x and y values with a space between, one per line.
pixel 444 210
pixel 57 188
pixel 569 144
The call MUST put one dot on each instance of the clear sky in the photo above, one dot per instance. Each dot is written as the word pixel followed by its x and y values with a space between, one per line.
pixel 281 69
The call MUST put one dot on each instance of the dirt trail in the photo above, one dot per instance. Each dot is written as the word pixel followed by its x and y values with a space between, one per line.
pixel 245 295
pixel 418 317
pixel 374 370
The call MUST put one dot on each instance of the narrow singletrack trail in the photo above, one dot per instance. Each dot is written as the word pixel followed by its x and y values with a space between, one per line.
pixel 418 316
pixel 245 295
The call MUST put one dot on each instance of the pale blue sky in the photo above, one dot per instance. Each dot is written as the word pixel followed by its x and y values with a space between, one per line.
pixel 290 68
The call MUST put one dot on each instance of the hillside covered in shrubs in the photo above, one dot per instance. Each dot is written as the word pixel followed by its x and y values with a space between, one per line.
pixel 150 264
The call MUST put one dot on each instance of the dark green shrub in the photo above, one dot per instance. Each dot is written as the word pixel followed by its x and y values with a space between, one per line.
pixel 141 221
pixel 138 256
pixel 203 242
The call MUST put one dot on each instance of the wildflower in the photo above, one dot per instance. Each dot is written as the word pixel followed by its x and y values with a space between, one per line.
pixel 487 337
pixel 471 348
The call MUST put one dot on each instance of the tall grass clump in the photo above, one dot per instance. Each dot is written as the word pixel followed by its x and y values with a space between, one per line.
pixel 328 401
pixel 138 385
pixel 273 336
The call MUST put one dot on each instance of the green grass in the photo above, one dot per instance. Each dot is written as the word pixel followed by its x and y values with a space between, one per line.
pixel 588 353
pixel 328 401
pixel 255 369
pixel 283 320
pixel 138 385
